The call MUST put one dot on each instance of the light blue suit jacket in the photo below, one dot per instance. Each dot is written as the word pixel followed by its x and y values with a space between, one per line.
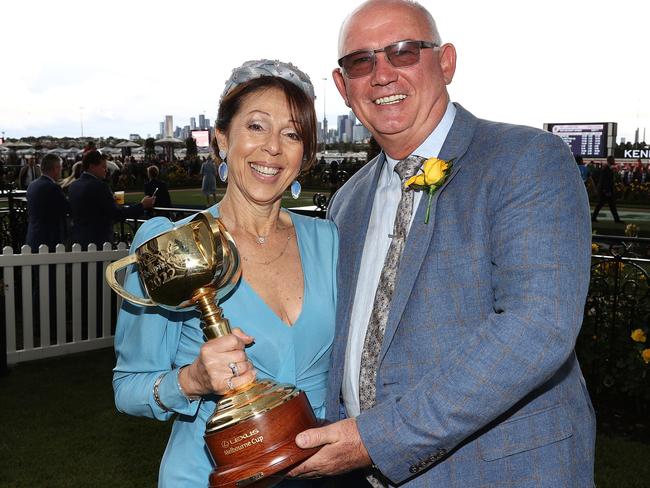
pixel 478 383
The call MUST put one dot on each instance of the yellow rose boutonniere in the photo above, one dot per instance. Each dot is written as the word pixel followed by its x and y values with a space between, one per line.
pixel 638 335
pixel 645 354
pixel 434 174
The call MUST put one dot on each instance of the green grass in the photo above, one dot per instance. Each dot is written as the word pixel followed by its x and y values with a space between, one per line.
pixel 59 429
pixel 193 197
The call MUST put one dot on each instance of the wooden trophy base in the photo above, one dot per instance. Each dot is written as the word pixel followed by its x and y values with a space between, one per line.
pixel 257 452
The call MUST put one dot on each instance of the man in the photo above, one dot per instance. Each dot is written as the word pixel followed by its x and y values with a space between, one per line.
pixel 28 173
pixel 476 382
pixel 607 191
pixel 47 206
pixel 93 207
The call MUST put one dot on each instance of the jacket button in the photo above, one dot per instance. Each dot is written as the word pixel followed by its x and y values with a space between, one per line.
pixel 413 469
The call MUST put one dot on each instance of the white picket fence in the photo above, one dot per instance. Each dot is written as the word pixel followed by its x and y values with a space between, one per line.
pixel 29 334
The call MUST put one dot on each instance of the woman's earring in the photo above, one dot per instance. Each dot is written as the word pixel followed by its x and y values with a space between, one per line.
pixel 223 166
pixel 295 189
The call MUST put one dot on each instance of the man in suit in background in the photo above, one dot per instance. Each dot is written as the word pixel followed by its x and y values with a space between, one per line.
pixel 94 210
pixel 455 357
pixel 28 173
pixel 47 207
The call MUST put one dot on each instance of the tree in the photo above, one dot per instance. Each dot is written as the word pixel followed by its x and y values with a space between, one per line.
pixel 191 150
pixel 149 149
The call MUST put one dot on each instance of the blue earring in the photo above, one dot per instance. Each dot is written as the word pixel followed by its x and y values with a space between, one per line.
pixel 296 188
pixel 223 166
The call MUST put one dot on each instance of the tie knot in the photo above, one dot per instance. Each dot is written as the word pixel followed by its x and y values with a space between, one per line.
pixel 409 166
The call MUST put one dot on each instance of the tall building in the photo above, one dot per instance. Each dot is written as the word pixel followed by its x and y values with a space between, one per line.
pixel 340 126
pixel 201 121
pixel 169 126
pixel 353 118
pixel 192 123
pixel 207 124
pixel 360 133
pixel 161 133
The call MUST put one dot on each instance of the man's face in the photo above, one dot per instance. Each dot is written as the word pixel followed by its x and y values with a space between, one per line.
pixel 398 105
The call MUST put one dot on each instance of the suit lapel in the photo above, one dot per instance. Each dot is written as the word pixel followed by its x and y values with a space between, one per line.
pixel 420 234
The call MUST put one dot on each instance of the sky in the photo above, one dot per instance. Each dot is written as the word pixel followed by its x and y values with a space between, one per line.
pixel 119 67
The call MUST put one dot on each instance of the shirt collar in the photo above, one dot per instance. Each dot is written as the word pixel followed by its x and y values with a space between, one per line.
pixel 431 146
pixel 49 177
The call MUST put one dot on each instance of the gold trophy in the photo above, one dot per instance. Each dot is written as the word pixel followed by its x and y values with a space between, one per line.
pixel 251 433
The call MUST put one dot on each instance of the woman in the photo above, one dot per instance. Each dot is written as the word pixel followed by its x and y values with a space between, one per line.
pixel 209 183
pixel 265 130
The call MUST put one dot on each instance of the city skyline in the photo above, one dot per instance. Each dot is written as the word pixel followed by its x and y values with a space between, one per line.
pixel 575 61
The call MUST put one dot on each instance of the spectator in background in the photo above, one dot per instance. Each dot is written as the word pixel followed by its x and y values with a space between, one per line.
pixel 585 175
pixel 637 172
pixel 157 188
pixel 28 173
pixel 47 206
pixel 77 169
pixel 209 183
pixel 93 207
pixel 607 191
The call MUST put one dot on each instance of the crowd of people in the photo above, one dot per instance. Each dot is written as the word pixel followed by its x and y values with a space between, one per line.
pixel 82 207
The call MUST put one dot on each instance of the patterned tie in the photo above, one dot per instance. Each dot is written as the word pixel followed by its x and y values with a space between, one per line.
pixel 384 294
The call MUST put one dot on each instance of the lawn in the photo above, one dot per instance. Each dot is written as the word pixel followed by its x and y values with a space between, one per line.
pixel 193 198
pixel 59 429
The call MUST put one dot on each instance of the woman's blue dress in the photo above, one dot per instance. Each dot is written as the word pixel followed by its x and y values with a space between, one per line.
pixel 150 341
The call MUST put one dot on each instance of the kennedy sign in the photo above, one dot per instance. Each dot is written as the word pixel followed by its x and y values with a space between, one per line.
pixel 636 153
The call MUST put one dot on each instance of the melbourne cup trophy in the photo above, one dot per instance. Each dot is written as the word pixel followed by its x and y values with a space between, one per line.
pixel 251 433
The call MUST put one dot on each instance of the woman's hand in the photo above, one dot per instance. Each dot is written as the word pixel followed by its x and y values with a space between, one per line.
pixel 211 371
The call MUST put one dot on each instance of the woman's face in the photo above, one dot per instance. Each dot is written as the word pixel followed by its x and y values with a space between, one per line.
pixel 264 148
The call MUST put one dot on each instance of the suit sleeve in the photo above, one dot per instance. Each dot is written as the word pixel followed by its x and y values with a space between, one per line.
pixel 109 207
pixel 540 235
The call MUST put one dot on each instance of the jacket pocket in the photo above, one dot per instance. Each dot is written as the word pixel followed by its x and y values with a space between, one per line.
pixel 524 433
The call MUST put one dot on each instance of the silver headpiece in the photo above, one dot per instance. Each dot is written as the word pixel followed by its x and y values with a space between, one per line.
pixel 251 70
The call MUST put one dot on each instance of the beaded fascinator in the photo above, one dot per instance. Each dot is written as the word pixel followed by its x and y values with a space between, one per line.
pixel 266 67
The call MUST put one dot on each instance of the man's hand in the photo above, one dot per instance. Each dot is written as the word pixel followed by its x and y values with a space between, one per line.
pixel 342 450
pixel 148 202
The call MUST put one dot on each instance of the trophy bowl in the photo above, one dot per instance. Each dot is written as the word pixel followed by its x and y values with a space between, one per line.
pixel 251 434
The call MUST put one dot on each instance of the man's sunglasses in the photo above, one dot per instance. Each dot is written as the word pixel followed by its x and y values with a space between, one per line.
pixel 400 54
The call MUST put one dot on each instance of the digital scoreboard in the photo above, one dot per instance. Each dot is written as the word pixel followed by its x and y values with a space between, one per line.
pixel 202 138
pixel 589 140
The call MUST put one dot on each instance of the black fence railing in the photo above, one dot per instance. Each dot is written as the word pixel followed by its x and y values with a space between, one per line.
pixel 614 342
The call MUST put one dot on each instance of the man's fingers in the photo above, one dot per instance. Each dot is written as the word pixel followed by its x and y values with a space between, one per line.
pixel 314 437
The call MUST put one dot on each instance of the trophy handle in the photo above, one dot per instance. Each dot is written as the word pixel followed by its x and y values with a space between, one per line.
pixel 112 269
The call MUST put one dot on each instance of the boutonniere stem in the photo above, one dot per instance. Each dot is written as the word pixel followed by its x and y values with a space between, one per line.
pixel 434 174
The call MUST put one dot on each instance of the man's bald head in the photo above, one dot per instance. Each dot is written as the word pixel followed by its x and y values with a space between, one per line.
pixel 382 7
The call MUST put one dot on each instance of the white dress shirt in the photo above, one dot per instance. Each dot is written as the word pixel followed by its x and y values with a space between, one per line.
pixel 382 218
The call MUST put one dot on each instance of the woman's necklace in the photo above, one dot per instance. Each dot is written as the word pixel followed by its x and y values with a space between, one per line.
pixel 266 263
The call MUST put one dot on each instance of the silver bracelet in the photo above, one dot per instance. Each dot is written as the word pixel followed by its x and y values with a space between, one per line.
pixel 156 395
pixel 191 398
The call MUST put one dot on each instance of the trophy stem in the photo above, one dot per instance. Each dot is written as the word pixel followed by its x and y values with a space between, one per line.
pixel 213 324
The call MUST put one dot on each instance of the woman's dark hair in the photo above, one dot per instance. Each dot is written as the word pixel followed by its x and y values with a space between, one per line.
pixel 301 106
